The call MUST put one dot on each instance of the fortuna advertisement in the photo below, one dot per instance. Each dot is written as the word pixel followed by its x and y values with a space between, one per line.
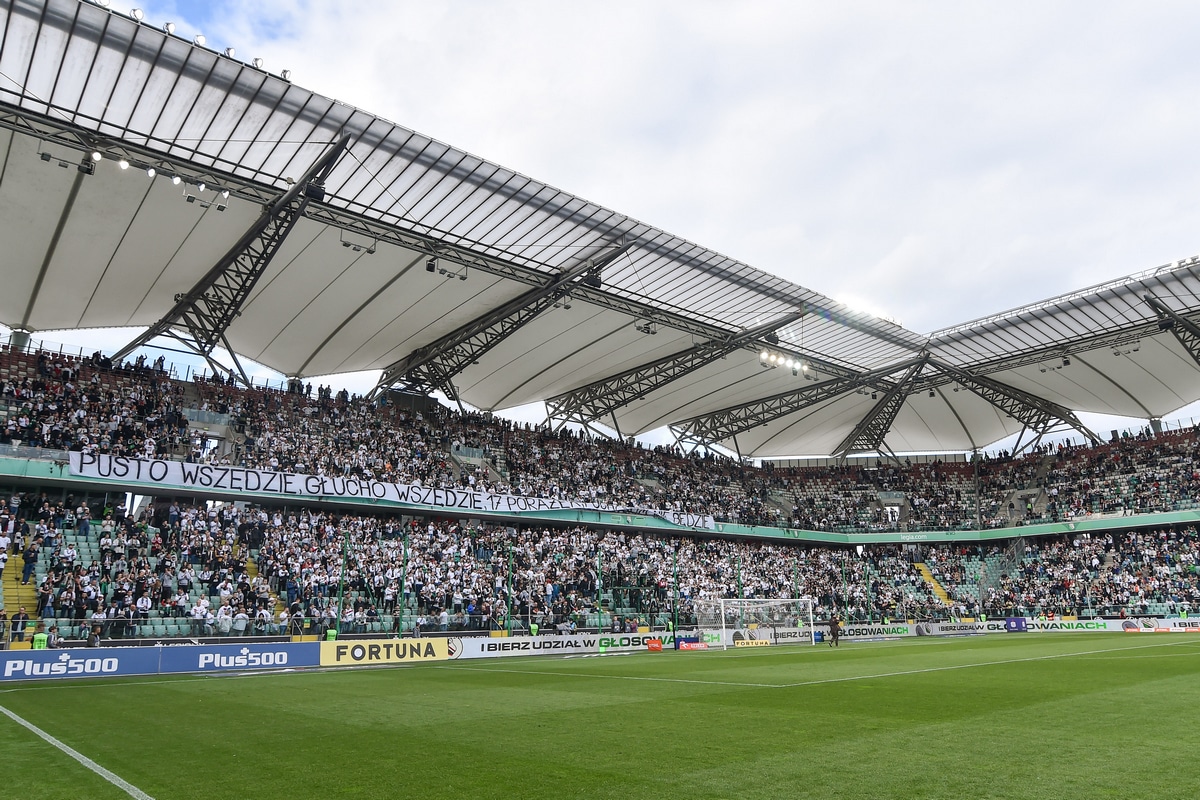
pixel 209 477
pixel 386 651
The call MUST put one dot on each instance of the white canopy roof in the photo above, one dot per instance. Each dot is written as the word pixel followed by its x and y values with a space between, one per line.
pixel 348 289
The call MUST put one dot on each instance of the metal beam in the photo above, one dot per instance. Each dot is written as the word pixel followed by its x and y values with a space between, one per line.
pixel 434 365
pixel 206 311
pixel 1035 413
pixel 605 396
pixel 1185 331
pixel 728 422
pixel 871 430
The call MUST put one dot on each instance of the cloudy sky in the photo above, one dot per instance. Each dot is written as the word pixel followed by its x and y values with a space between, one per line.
pixel 1000 153
pixel 930 162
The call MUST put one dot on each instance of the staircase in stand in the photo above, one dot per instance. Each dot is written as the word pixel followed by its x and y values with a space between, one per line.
pixel 12 594
pixel 939 591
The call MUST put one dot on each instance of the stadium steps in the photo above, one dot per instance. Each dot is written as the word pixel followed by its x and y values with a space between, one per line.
pixel 939 591
pixel 14 595
pixel 252 573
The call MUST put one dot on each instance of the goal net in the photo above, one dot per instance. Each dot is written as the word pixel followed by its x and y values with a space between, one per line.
pixel 753 622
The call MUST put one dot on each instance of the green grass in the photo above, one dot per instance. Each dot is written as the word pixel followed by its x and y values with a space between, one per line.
pixel 1035 716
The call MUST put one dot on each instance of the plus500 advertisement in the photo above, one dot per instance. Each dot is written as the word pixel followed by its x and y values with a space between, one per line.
pixel 239 657
pixel 23 665
pixel 80 662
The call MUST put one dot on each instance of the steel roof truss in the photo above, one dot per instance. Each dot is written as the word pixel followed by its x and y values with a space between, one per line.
pixel 432 366
pixel 1186 332
pixel 208 309
pixel 729 422
pixel 605 396
pixel 871 430
pixel 1037 414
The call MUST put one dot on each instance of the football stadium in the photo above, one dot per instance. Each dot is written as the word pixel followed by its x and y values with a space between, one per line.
pixel 857 561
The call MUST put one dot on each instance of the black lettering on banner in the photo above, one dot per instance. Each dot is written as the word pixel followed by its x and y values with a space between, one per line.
pixel 158 471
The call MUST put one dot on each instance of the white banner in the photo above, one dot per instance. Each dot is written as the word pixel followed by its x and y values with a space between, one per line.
pixel 553 645
pixel 209 477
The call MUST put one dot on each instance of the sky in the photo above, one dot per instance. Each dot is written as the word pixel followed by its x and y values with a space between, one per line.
pixel 931 162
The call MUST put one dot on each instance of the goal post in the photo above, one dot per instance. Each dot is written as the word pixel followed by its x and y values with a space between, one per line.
pixel 744 622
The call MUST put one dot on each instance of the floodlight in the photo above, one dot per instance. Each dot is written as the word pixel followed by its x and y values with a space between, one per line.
pixel 200 40
pixel 286 74
pixel 96 155
pixel 123 164
pixel 229 52
pixel 137 14
pixel 175 179
pixel 150 171
pixel 258 62
pixel 169 28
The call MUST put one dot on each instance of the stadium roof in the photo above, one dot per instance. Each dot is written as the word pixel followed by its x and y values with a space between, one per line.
pixel 534 294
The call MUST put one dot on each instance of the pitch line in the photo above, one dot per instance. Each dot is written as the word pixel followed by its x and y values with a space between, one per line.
pixel 111 777
pixel 844 679
pixel 949 667
pixel 616 677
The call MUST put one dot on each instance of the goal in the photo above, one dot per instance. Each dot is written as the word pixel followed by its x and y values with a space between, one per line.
pixel 742 622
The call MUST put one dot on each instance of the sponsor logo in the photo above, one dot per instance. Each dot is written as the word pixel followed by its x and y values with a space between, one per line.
pixel 1067 626
pixel 751 643
pixel 396 651
pixel 877 630
pixel 244 658
pixel 63 666
pixel 693 645
pixel 454 647
pixel 654 645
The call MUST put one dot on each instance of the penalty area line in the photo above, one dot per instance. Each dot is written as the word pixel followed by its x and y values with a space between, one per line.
pixel 111 777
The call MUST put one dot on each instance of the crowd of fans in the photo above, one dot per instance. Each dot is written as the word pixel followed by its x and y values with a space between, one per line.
pixel 1106 575
pixel 137 409
pixel 389 573
pixel 192 563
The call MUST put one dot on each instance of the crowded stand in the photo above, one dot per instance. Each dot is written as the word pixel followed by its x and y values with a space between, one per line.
pixel 224 570
pixel 60 402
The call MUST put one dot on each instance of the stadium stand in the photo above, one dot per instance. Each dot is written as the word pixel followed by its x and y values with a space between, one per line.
pixel 215 570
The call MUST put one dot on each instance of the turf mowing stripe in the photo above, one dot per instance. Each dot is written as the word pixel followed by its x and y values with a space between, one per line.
pixel 805 683
pixel 979 664
pixel 113 778
pixel 580 674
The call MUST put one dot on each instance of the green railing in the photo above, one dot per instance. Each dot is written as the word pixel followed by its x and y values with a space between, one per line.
pixel 55 470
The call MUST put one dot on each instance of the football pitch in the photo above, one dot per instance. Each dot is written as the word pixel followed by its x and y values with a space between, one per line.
pixel 1018 716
